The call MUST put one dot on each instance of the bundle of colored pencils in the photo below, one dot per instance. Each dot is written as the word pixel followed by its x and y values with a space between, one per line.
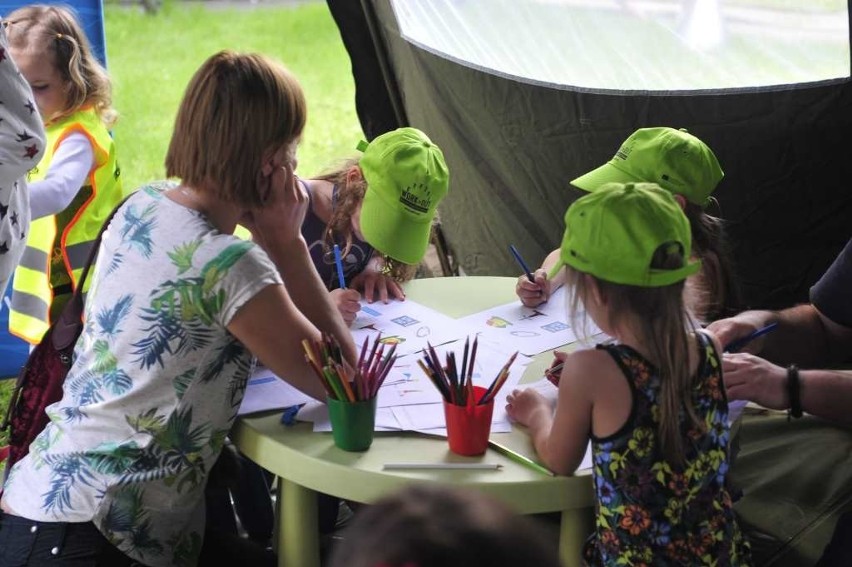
pixel 456 385
pixel 339 379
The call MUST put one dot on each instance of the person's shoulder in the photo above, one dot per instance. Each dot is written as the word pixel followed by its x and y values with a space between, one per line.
pixel 588 362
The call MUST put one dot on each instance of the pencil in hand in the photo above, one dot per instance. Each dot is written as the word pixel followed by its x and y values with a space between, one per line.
pixel 554 373
pixel 338 262
pixel 737 344
pixel 521 262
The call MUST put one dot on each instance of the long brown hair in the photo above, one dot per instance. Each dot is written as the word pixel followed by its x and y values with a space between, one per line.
pixel 663 327
pixel 350 194
pixel 56 32
pixel 715 290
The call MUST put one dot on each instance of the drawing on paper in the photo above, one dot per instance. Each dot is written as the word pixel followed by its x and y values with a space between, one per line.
pixel 405 321
pixel 497 322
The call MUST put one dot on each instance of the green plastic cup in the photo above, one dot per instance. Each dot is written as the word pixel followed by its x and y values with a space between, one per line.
pixel 352 423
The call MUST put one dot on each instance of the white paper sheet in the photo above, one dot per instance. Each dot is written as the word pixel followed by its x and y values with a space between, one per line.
pixel 529 330
pixel 265 391
pixel 408 323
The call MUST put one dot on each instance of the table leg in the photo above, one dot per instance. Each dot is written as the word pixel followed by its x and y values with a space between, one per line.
pixel 575 527
pixel 297 534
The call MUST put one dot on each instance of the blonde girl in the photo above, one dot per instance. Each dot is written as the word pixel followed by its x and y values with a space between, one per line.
pixel 652 404
pixel 77 182
pixel 379 210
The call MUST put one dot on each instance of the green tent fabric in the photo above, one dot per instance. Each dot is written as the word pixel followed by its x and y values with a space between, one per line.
pixel 796 479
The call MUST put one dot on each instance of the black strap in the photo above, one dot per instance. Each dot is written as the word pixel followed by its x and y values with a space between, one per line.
pixel 73 312
pixel 794 392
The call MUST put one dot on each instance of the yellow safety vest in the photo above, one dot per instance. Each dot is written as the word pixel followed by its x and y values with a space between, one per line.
pixel 59 245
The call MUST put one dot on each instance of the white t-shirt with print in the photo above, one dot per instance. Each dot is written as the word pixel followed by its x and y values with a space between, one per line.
pixel 155 385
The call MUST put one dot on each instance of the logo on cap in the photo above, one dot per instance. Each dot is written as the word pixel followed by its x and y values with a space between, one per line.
pixel 412 201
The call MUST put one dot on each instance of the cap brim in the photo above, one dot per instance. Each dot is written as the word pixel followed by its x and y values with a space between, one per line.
pixel 607 173
pixel 392 233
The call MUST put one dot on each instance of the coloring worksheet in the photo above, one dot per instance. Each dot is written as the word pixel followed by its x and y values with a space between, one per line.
pixel 409 324
pixel 529 330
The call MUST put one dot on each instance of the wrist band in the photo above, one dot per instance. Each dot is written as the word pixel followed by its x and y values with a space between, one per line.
pixel 794 392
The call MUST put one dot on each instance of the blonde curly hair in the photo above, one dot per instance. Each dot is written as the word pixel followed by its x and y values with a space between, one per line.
pixel 56 32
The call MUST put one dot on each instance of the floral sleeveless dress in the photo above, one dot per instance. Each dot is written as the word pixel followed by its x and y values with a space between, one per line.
pixel 648 512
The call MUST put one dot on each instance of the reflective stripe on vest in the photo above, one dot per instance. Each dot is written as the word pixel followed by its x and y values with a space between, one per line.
pixel 29 316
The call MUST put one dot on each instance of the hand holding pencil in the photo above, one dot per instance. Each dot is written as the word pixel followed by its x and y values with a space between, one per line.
pixel 554 372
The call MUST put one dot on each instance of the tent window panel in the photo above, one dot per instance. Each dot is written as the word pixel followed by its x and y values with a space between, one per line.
pixel 659 45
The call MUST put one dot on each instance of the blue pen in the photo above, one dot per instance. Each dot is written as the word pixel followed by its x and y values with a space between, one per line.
pixel 523 264
pixel 339 263
pixel 736 345
pixel 289 415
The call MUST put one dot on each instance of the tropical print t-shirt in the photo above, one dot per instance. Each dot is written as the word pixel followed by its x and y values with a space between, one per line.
pixel 155 385
pixel 652 513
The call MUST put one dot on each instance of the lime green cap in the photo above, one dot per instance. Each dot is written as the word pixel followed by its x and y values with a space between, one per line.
pixel 614 232
pixel 675 160
pixel 406 179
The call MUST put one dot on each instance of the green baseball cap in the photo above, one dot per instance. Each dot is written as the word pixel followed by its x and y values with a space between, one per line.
pixel 614 232
pixel 406 179
pixel 675 160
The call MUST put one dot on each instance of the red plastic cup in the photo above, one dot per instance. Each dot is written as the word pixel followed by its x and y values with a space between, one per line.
pixel 468 428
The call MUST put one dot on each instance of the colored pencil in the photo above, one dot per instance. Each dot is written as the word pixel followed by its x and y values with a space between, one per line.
pixel 338 378
pixel 518 458
pixel 447 466
pixel 736 345
pixel 521 262
pixel 339 263
pixel 456 384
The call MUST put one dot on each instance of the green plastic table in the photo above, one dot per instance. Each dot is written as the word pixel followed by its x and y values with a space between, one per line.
pixel 305 462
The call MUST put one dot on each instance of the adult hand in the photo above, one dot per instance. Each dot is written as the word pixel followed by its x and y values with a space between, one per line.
pixel 525 406
pixel 533 293
pixel 374 283
pixel 749 377
pixel 739 326
pixel 346 301
pixel 279 221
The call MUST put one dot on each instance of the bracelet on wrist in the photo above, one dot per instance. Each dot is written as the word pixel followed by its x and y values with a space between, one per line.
pixel 794 392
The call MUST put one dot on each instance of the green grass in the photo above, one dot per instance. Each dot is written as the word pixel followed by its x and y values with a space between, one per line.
pixel 151 58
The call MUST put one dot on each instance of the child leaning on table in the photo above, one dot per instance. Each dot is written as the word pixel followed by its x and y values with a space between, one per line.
pixel 653 403
pixel 442 526
pixel 686 167
pixel 76 184
pixel 379 210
